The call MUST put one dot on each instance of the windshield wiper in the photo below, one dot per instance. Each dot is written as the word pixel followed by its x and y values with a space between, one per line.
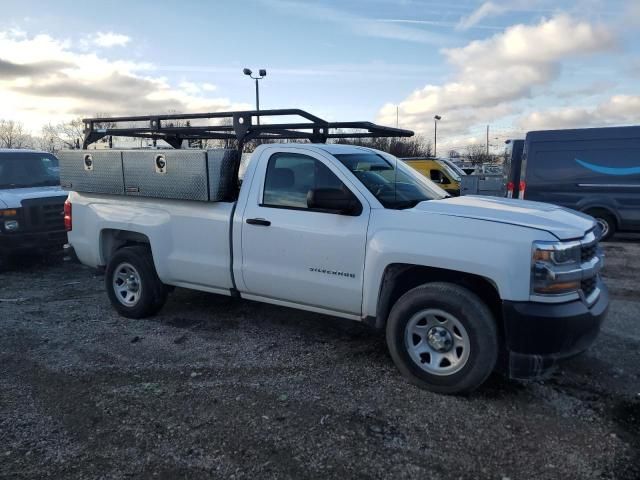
pixel 408 204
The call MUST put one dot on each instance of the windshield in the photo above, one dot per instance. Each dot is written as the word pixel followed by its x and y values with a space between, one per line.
pixel 27 169
pixel 393 183
pixel 458 172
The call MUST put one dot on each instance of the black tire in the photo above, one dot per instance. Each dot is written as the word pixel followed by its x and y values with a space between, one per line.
pixel 607 222
pixel 152 292
pixel 478 324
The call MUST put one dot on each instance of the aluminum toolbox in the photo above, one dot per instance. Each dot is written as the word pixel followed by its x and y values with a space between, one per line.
pixel 176 174
pixel 92 171
pixel 222 173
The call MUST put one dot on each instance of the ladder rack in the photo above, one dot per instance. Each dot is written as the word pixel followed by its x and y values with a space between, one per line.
pixel 239 125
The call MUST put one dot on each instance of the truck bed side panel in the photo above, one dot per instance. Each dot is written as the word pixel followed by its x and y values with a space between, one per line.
pixel 189 240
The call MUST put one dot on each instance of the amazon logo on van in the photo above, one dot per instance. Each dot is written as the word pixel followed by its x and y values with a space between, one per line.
pixel 609 170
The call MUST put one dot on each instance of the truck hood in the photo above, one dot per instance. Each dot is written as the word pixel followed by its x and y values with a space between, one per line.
pixel 563 223
pixel 12 198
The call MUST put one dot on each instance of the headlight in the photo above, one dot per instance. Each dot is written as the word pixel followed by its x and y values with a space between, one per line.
pixel 11 225
pixel 555 268
pixel 8 220
pixel 557 253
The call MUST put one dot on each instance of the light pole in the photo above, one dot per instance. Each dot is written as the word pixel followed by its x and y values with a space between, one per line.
pixel 261 74
pixel 435 134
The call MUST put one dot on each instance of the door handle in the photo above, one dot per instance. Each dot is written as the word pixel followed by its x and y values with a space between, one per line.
pixel 258 221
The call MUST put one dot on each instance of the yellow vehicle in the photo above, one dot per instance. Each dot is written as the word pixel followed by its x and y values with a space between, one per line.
pixel 440 170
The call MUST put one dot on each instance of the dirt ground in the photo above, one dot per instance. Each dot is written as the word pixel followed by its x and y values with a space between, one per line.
pixel 220 388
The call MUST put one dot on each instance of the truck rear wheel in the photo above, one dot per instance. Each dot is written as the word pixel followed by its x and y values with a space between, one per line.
pixel 132 283
pixel 443 338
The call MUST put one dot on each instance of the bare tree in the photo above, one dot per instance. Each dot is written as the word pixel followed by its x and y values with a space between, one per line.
pixel 477 155
pixel 54 137
pixel 14 135
pixel 400 147
pixel 62 135
pixel 49 140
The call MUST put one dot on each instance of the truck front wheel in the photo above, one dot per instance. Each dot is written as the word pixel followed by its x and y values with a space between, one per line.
pixel 443 338
pixel 132 283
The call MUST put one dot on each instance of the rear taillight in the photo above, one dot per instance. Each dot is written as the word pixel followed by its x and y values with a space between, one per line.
pixel 521 190
pixel 67 216
pixel 510 190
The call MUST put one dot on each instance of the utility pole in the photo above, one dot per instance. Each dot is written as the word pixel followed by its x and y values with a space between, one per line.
pixel 435 134
pixel 396 116
pixel 487 139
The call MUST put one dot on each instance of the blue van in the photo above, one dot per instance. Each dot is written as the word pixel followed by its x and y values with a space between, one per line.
pixel 592 170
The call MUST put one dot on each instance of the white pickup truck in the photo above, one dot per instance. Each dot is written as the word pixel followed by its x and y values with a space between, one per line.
pixel 463 286
pixel 31 203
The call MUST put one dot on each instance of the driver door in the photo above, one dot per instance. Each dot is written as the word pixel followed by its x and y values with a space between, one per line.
pixel 293 253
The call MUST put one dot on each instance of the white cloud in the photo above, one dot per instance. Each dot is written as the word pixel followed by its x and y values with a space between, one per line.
pixel 617 110
pixel 485 10
pixel 358 24
pixel 495 9
pixel 190 87
pixel 434 23
pixel 492 73
pixel 44 80
pixel 110 39
pixel 208 87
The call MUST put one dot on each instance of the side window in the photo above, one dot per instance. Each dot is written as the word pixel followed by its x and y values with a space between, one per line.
pixel 438 177
pixel 290 176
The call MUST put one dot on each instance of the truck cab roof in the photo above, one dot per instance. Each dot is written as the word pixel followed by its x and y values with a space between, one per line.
pixel 331 148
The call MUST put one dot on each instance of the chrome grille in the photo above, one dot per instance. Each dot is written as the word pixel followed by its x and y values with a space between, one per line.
pixel 589 251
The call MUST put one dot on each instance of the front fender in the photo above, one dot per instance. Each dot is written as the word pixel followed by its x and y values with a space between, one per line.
pixel 500 253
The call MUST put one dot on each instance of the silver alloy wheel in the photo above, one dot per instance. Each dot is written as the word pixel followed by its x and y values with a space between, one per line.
pixel 604 225
pixel 126 284
pixel 437 342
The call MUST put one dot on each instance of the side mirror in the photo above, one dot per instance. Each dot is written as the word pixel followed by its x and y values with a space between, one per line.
pixel 336 200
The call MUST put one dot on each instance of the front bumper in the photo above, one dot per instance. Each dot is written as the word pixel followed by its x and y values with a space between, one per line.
pixel 38 242
pixel 537 335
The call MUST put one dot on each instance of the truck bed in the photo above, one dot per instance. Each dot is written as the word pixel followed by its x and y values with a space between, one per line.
pixel 191 238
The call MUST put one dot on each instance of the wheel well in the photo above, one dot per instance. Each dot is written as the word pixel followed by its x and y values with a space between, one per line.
pixel 399 278
pixel 602 209
pixel 112 240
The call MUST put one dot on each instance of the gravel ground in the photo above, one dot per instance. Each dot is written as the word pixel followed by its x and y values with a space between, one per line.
pixel 221 388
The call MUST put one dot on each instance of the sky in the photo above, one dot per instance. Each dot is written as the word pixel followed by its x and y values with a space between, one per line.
pixel 515 65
